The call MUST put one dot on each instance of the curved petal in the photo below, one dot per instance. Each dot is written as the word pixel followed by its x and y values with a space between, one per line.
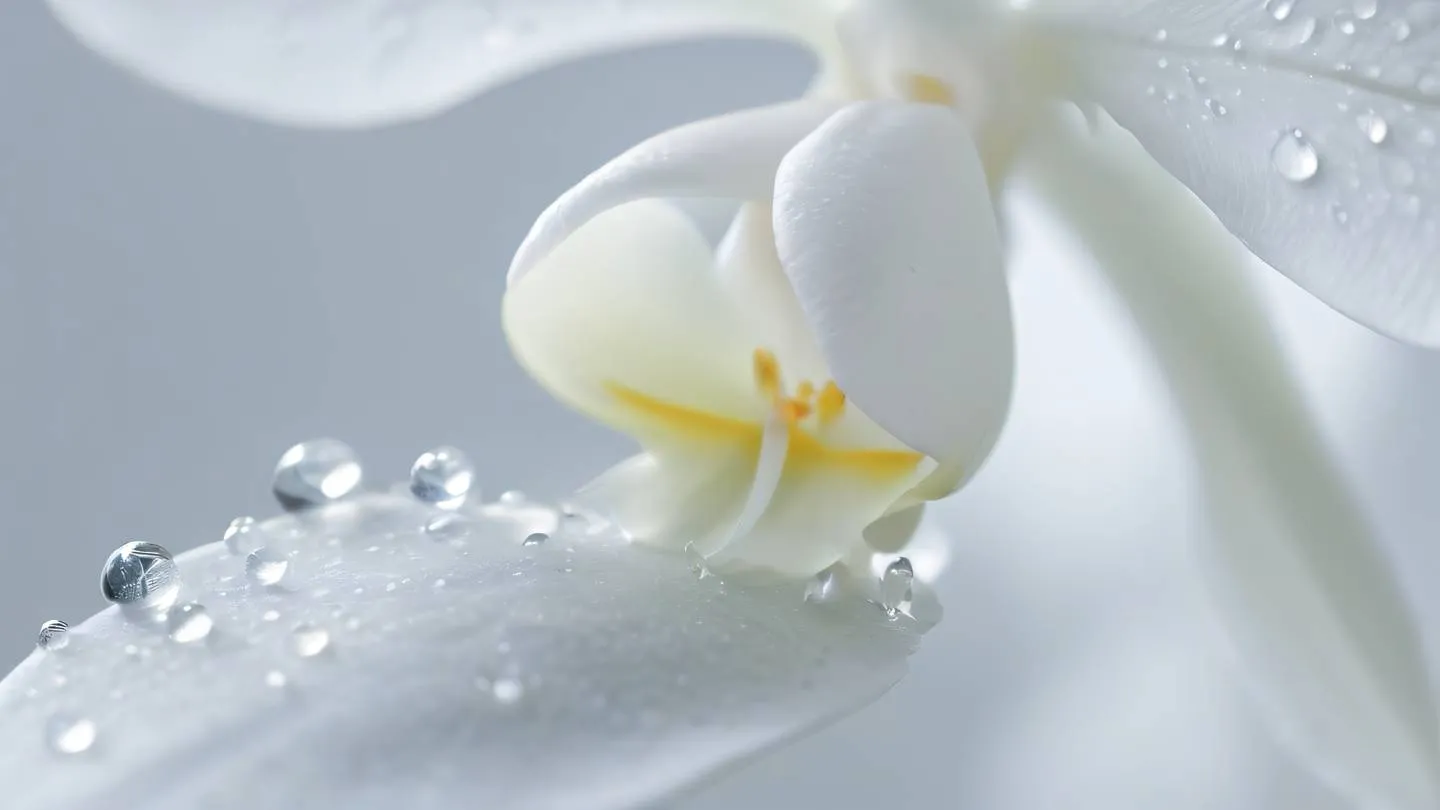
pixel 475 672
pixel 884 226
pixel 1306 590
pixel 353 63
pixel 1311 130
pixel 730 156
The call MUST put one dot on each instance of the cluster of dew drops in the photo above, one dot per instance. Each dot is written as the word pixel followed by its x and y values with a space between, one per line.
pixel 1294 155
pixel 144 580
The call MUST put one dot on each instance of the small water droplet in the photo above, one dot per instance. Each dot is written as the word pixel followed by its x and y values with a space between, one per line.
pixel 1280 9
pixel 141 575
pixel 536 538
pixel 316 472
pixel 270 616
pixel 1400 29
pixel 1294 157
pixel 242 535
pixel 1220 40
pixel 1375 128
pixel 189 622
pixel 1162 35
pixel 443 476
pixel 451 529
pixel 70 734
pixel 823 586
pixel 54 635
pixel 275 679
pixel 1162 63
pixel 507 691
pixel 696 561
pixel 512 497
pixel 1365 9
pixel 266 567
pixel 1346 27
pixel 895 585
pixel 1339 214
pixel 1292 34
pixel 309 640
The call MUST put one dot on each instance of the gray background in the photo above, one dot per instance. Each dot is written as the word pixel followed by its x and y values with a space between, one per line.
pixel 183 294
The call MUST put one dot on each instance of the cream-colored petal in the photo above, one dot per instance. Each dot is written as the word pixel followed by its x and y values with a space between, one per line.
pixel 632 300
pixel 884 227
pixel 353 63
pixel 731 156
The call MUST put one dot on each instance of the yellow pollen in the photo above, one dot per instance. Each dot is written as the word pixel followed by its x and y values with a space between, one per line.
pixel 927 89
pixel 830 404
pixel 767 373
pixel 805 390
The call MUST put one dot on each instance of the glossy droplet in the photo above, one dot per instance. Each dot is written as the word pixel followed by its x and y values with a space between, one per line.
pixel 1375 128
pixel 70 734
pixel 1280 9
pixel 451 529
pixel 895 584
pixel 242 536
pixel 189 623
pixel 443 476
pixel 536 538
pixel 309 640
pixel 1340 215
pixel 823 586
pixel 316 472
pixel 54 635
pixel 266 567
pixel 1220 40
pixel 1365 9
pixel 1162 35
pixel 1294 157
pixel 507 691
pixel 1292 34
pixel 141 575
pixel 512 497
pixel 696 561
pixel 275 679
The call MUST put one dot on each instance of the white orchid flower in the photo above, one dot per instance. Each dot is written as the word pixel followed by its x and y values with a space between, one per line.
pixel 1308 129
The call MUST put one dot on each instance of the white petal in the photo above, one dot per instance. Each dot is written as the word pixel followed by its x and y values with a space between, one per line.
pixel 370 62
pixel 884 226
pixel 632 298
pixel 1306 590
pixel 1349 209
pixel 583 672
pixel 731 156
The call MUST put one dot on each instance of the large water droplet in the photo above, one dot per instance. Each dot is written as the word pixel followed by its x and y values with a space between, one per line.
pixel 70 734
pixel 442 476
pixel 266 567
pixel 536 538
pixel 242 536
pixel 189 623
pixel 54 635
pixel 1374 127
pixel 142 575
pixel 316 472
pixel 895 585
pixel 1295 157
pixel 309 640
pixel 1280 9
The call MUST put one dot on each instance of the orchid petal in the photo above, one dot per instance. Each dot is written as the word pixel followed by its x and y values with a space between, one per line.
pixel 473 672
pixel 730 156
pixel 356 63
pixel 1324 630
pixel 1309 129
pixel 885 229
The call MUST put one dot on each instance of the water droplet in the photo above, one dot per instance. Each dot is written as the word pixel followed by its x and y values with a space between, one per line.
pixel 270 616
pixel 1216 108
pixel 1162 35
pixel 141 575
pixel 275 679
pixel 242 535
pixel 266 567
pixel 1340 215
pixel 54 635
pixel 1400 29
pixel 451 529
pixel 442 476
pixel 1162 63
pixel 189 622
pixel 1347 27
pixel 696 561
pixel 512 497
pixel 1375 128
pixel 1292 34
pixel 1365 9
pixel 70 734
pixel 507 691
pixel 895 585
pixel 536 538
pixel 309 640
pixel 1280 9
pixel 823 586
pixel 316 472
pixel 1220 40
pixel 1294 157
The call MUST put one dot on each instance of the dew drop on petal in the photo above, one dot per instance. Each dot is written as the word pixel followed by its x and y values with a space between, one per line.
pixel 54 635
pixel 242 535
pixel 1339 214
pixel 507 691
pixel 536 538
pixel 1294 157
pixel 188 623
pixel 266 567
pixel 895 584
pixel 512 497
pixel 1365 9
pixel 1374 127
pixel 275 679
pixel 823 586
pixel 70 734
pixel 316 472
pixel 141 575
pixel 309 640
pixel 451 529
pixel 443 476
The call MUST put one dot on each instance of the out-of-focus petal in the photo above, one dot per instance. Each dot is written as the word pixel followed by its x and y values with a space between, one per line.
pixel 355 63
pixel 885 229
pixel 459 668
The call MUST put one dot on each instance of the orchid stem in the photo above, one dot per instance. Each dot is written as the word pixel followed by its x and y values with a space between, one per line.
pixel 1304 590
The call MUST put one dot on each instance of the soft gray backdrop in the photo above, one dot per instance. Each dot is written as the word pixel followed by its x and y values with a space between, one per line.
pixel 184 294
